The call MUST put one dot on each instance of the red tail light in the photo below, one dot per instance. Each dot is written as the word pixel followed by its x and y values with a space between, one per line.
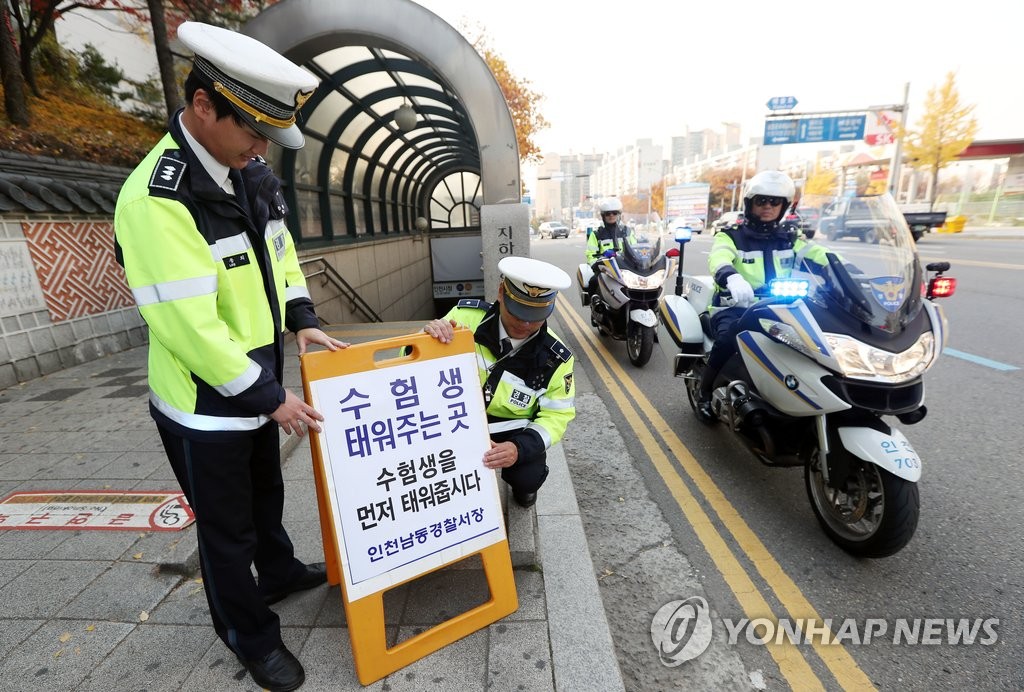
pixel 941 287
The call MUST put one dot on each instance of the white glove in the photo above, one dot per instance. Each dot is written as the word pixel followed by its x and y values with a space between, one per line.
pixel 741 290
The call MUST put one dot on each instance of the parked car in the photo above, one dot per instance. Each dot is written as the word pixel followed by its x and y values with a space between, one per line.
pixel 554 229
pixel 726 219
pixel 808 218
pixel 852 217
pixel 695 223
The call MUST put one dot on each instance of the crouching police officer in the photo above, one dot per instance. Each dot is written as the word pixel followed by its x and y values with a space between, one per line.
pixel 200 231
pixel 525 370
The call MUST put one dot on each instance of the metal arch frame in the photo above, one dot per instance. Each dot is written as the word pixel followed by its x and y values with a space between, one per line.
pixel 304 29
pixel 357 154
pixel 439 174
pixel 453 122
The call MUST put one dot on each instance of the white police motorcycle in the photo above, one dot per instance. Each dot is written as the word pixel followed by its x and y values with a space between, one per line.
pixel 821 358
pixel 629 287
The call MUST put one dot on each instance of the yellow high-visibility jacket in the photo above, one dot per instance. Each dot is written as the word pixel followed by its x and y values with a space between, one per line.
pixel 535 393
pixel 758 256
pixel 217 281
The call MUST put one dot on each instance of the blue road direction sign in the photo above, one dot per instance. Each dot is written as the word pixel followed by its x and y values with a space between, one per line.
pixel 781 131
pixel 842 128
pixel 832 129
pixel 782 103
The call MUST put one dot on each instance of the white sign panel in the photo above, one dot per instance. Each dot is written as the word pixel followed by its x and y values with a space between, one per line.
pixel 19 286
pixel 402 449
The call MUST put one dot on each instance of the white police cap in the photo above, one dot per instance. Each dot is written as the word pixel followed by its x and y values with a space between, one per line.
pixel 531 287
pixel 265 88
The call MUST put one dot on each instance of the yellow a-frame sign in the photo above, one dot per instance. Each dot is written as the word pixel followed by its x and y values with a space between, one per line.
pixel 401 487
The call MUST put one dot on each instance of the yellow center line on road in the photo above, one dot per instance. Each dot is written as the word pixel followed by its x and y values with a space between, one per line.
pixel 792 664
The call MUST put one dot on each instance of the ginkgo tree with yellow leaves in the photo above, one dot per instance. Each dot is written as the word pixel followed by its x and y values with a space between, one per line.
pixel 942 133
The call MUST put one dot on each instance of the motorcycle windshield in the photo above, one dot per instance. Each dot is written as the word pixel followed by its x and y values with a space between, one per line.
pixel 640 250
pixel 870 268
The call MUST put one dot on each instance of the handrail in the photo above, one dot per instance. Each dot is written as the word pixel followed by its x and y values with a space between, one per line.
pixel 331 275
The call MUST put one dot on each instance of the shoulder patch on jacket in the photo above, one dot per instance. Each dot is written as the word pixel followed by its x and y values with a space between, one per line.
pixel 167 174
pixel 560 350
pixel 474 303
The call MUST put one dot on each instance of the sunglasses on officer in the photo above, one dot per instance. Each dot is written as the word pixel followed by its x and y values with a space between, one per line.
pixel 609 213
pixel 764 201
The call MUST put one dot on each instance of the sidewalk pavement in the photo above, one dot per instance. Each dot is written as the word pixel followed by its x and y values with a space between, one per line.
pixel 125 610
pixel 986 232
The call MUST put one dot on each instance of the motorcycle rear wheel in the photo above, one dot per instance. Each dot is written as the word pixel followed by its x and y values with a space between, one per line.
pixel 874 514
pixel 639 343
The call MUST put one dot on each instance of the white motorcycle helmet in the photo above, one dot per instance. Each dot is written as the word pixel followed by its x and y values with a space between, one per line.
pixel 610 204
pixel 768 184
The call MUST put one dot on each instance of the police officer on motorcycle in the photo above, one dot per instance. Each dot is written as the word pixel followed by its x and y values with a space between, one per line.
pixel 743 258
pixel 610 234
pixel 606 240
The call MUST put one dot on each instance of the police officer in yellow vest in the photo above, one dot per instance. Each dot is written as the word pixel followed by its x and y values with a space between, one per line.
pixel 200 230
pixel 743 258
pixel 610 234
pixel 525 370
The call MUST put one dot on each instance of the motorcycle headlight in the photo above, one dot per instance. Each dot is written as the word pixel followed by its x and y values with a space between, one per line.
pixel 859 360
pixel 785 334
pixel 638 282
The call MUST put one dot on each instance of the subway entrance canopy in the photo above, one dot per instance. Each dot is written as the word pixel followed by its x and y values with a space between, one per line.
pixel 361 175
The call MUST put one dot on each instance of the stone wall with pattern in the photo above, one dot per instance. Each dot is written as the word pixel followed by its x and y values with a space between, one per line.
pixel 63 300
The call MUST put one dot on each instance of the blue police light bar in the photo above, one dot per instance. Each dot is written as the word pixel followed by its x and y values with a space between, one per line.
pixel 789 288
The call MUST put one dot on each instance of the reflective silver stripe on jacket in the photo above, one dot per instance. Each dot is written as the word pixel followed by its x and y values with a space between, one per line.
pixel 293 292
pixel 195 421
pixel 510 424
pixel 542 431
pixel 242 382
pixel 273 226
pixel 520 424
pixel 799 259
pixel 233 245
pixel 175 290
pixel 552 404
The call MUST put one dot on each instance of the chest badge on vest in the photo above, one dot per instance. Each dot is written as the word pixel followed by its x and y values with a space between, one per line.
pixel 520 399
pixel 568 382
pixel 168 173
pixel 239 260
pixel 279 245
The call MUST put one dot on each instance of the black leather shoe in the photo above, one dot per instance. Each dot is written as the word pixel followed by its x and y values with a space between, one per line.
pixel 278 671
pixel 524 499
pixel 315 575
pixel 704 412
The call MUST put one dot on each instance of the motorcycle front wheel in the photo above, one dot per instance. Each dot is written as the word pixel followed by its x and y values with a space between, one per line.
pixel 872 514
pixel 639 343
